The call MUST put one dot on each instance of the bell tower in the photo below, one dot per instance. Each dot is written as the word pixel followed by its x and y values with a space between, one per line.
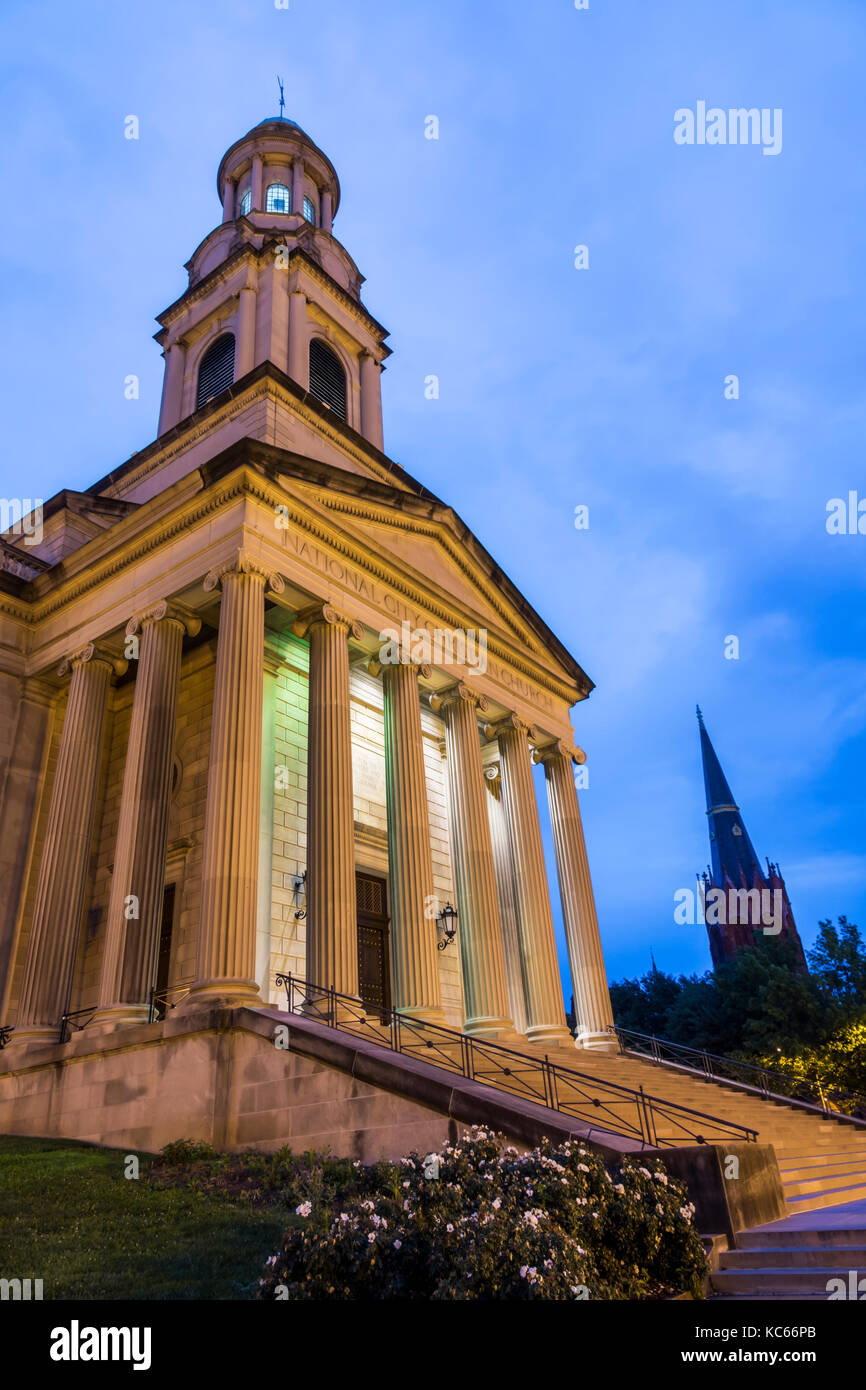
pixel 272 284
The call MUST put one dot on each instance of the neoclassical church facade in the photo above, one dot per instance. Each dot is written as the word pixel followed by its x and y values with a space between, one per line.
pixel 268 705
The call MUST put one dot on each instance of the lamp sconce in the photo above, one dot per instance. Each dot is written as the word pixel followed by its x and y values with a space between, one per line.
pixel 299 889
pixel 447 920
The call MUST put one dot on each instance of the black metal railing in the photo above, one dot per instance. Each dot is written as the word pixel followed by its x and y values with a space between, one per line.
pixel 605 1106
pixel 162 1000
pixel 69 1021
pixel 774 1085
pixel 6 1034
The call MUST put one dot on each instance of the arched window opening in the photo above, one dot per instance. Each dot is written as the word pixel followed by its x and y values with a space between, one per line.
pixel 309 211
pixel 217 370
pixel 328 378
pixel 279 198
pixel 246 202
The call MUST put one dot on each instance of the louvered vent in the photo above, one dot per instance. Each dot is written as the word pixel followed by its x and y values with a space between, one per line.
pixel 217 370
pixel 370 895
pixel 327 378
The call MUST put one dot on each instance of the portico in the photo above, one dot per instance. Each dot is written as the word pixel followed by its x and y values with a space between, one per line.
pixel 245 768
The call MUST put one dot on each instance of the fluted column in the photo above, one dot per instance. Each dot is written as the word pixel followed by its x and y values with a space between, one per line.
pixel 138 878
pixel 332 933
pixel 481 954
pixel 545 1010
pixel 507 900
pixel 414 961
pixel 588 975
pixel 66 849
pixel 226 957
pixel 229 200
pixel 326 214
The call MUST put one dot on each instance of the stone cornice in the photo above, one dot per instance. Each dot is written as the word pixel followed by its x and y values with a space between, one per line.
pixel 273 385
pixel 244 482
pixel 225 271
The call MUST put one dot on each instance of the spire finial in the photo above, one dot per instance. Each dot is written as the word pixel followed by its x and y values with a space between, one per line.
pixel 282 97
pixel 698 712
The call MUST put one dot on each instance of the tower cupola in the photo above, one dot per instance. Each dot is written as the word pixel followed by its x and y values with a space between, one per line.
pixel 272 284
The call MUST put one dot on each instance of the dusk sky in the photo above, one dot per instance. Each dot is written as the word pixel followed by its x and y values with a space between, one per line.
pixel 559 387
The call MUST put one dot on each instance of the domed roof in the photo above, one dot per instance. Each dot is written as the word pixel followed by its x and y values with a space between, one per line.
pixel 280 120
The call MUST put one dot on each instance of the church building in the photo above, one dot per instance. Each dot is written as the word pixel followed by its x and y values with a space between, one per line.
pixel 268 706
pixel 746 901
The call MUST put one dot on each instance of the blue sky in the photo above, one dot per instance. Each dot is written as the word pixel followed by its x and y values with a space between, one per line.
pixel 559 387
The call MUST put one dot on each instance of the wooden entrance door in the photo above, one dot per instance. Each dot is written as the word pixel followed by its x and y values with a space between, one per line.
pixel 374 964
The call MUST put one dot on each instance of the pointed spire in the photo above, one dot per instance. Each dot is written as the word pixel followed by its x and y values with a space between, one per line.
pixel 733 856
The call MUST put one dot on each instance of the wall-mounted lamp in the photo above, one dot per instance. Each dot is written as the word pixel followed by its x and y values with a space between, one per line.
pixel 447 920
pixel 299 889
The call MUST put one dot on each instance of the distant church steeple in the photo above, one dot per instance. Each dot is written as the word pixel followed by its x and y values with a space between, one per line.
pixel 740 898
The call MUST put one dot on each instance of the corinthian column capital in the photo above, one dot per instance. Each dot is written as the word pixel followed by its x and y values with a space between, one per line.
pixel 92 651
pixel 165 610
pixel 327 614
pixel 244 562
pixel 461 693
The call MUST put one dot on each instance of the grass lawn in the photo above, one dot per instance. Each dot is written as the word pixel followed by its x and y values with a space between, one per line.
pixel 68 1216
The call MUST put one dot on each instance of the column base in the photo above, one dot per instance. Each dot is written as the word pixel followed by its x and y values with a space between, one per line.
pixel 36 1035
pixel 115 1015
pixel 221 993
pixel 596 1042
pixel 549 1035
pixel 422 1014
pixel 492 1029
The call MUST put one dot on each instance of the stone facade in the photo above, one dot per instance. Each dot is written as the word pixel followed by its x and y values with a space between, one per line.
pixel 245 731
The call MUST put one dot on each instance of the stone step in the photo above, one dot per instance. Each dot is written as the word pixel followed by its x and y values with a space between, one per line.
pixel 766 1238
pixel 810 1170
pixel 775 1282
pixel 829 1197
pixel 795 1257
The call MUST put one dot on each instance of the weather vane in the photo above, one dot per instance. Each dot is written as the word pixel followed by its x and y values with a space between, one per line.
pixel 282 96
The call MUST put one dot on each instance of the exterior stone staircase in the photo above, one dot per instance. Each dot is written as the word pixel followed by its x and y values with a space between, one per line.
pixel 822 1161
pixel 786 1261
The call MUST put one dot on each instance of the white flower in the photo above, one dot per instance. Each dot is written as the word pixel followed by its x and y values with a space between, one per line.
pixel 397 1244
pixel 449 1227
pixel 496 1203
pixel 304 1209
pixel 371 1237
pixel 686 1213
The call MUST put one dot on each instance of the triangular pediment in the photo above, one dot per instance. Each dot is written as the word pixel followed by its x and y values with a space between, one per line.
pixel 424 547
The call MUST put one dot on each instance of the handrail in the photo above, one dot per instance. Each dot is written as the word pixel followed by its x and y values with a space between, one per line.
pixel 162 996
pixel 67 1018
pixel 606 1106
pixel 770 1082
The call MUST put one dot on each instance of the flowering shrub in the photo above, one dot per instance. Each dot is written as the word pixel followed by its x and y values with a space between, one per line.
pixel 550 1224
